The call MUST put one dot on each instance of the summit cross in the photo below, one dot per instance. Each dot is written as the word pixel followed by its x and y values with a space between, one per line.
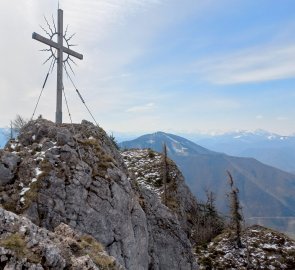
pixel 60 50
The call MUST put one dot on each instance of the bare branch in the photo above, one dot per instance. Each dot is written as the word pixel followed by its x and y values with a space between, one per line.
pixel 70 58
pixel 46 32
pixel 49 26
pixel 70 37
pixel 53 65
pixel 45 50
pixel 18 123
pixel 65 35
pixel 47 59
pixel 54 24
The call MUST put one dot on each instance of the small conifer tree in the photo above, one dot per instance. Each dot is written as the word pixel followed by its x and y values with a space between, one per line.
pixel 114 141
pixel 207 222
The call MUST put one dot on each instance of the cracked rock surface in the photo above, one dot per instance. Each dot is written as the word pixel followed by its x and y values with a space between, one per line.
pixel 74 175
pixel 23 245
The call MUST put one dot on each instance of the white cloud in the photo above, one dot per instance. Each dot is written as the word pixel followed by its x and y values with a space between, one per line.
pixel 142 108
pixel 281 118
pixel 271 62
pixel 120 74
pixel 101 75
pixel 259 117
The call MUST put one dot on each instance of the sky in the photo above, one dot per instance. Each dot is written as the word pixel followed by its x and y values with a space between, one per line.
pixel 185 66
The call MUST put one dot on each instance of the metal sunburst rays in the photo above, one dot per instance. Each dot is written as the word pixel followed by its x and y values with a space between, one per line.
pixel 51 31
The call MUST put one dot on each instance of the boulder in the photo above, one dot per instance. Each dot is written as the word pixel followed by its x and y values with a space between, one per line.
pixel 8 167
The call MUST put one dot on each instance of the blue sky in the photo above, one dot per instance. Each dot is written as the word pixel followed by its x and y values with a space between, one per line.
pixel 176 66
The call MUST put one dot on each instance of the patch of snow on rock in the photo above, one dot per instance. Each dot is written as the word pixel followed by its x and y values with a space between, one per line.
pixel 24 190
pixel 145 166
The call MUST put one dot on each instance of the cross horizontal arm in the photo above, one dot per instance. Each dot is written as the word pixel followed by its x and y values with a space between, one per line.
pixel 47 41
pixel 53 44
pixel 73 53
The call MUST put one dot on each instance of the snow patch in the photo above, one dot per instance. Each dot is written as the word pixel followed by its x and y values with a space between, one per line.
pixel 38 171
pixel 34 180
pixel 24 190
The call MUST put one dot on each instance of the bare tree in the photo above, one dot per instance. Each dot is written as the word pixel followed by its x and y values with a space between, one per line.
pixel 12 131
pixel 235 210
pixel 18 123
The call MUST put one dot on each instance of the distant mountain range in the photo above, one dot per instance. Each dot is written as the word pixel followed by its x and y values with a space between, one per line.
pixel 267 194
pixel 269 148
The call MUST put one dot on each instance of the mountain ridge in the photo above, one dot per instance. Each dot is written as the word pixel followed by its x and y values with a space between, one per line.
pixel 269 148
pixel 79 203
pixel 207 169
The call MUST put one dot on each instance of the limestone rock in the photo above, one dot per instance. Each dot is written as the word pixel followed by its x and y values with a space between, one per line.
pixel 8 166
pixel 5 175
pixel 74 175
pixel 165 221
pixel 23 245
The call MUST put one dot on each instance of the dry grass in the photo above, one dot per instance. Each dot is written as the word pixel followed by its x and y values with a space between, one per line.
pixel 45 166
pixel 105 160
pixel 9 205
pixel 16 243
pixel 32 194
pixel 96 252
pixel 88 242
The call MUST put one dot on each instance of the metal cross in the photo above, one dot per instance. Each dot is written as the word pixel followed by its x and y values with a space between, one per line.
pixel 60 50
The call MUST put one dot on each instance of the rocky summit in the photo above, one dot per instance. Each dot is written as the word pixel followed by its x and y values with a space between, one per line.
pixel 70 200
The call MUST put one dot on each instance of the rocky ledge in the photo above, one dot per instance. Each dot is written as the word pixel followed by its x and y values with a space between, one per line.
pixel 262 248
pixel 23 245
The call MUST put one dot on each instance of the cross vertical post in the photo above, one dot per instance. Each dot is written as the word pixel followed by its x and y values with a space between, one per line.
pixel 58 114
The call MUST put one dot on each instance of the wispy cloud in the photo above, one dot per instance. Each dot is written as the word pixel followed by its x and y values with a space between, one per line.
pixel 281 118
pixel 214 103
pixel 142 108
pixel 252 65
pixel 259 117
pixel 137 63
pixel 102 17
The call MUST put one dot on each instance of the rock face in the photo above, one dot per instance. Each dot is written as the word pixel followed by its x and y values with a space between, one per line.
pixel 27 246
pixel 8 167
pixel 164 221
pixel 74 175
